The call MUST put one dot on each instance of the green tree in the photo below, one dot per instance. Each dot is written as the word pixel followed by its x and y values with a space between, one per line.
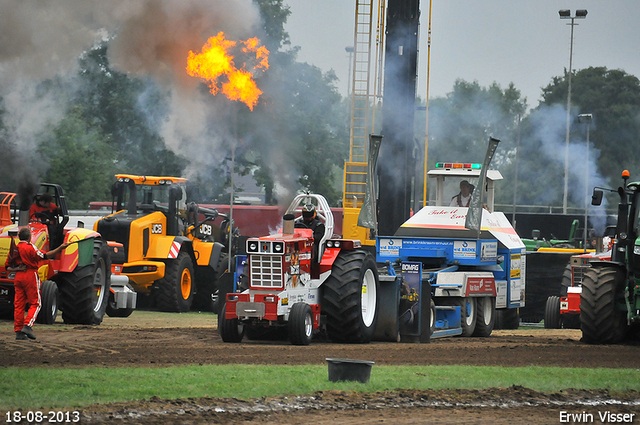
pixel 613 98
pixel 128 112
pixel 461 123
pixel 79 160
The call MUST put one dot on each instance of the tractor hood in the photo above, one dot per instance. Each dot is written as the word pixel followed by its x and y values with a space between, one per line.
pixel 448 222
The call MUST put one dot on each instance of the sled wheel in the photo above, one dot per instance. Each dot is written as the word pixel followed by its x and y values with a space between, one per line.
pixel 114 311
pixel 432 323
pixel 507 318
pixel 485 317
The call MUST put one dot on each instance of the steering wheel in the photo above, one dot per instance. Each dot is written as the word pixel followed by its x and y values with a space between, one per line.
pixel 45 217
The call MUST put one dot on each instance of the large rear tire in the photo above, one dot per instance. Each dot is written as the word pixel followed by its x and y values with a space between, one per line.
pixel 552 313
pixel 230 330
pixel 300 324
pixel 176 289
pixel 49 300
pixel 600 322
pixel 486 308
pixel 350 297
pixel 84 293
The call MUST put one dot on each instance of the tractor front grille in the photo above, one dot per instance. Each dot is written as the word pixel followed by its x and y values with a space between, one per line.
pixel 266 271
pixel 578 275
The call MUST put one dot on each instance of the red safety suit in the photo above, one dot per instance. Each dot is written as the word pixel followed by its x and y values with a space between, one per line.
pixel 27 286
pixel 36 208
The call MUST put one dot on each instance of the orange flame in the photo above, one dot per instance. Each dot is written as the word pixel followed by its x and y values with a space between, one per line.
pixel 216 65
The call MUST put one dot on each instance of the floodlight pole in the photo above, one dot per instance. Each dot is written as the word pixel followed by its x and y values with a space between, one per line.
pixel 586 118
pixel 566 14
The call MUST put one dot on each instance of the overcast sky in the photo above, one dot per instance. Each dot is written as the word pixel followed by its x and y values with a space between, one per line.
pixel 519 41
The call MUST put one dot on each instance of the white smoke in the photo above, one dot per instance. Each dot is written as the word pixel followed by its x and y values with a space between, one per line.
pixel 148 38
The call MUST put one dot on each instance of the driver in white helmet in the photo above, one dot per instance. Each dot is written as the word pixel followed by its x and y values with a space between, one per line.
pixel 311 221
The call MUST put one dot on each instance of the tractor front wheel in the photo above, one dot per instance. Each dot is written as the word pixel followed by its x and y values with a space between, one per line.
pixel 175 290
pixel 230 330
pixel 600 321
pixel 300 324
pixel 552 313
pixel 49 299
pixel 350 297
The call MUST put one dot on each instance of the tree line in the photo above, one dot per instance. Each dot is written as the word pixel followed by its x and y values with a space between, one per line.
pixel 297 138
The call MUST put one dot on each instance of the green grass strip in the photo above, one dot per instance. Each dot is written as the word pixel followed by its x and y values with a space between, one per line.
pixel 40 388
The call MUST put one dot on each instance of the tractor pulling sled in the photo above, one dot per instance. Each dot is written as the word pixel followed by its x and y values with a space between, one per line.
pixel 78 280
pixel 433 278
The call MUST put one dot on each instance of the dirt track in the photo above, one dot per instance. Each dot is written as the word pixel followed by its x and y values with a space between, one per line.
pixel 154 339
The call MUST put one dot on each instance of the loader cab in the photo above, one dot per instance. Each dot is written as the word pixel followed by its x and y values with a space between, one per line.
pixel 140 195
pixel 449 175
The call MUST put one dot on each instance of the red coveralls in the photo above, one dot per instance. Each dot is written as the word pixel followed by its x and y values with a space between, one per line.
pixel 27 286
pixel 36 208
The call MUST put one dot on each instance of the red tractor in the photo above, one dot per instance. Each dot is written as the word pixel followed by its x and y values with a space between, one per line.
pixel 77 280
pixel 300 284
pixel 564 311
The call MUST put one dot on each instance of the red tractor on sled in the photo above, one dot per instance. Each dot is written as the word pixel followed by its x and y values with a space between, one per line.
pixel 300 285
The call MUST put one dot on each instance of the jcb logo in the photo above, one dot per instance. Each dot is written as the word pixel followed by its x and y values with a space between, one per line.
pixel 156 228
pixel 206 229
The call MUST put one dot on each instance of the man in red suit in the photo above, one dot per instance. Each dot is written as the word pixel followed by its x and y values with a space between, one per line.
pixel 43 204
pixel 27 284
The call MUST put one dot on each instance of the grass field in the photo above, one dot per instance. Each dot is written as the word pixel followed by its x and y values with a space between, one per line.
pixel 41 388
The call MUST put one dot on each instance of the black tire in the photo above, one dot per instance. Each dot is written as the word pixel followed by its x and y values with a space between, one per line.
pixel 112 311
pixel 469 315
pixel 486 316
pixel 49 303
pixel 230 330
pixel 552 313
pixel 600 322
pixel 176 289
pixel 350 297
pixel 84 293
pixel 219 294
pixel 300 324
pixel 507 318
pixel 432 322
